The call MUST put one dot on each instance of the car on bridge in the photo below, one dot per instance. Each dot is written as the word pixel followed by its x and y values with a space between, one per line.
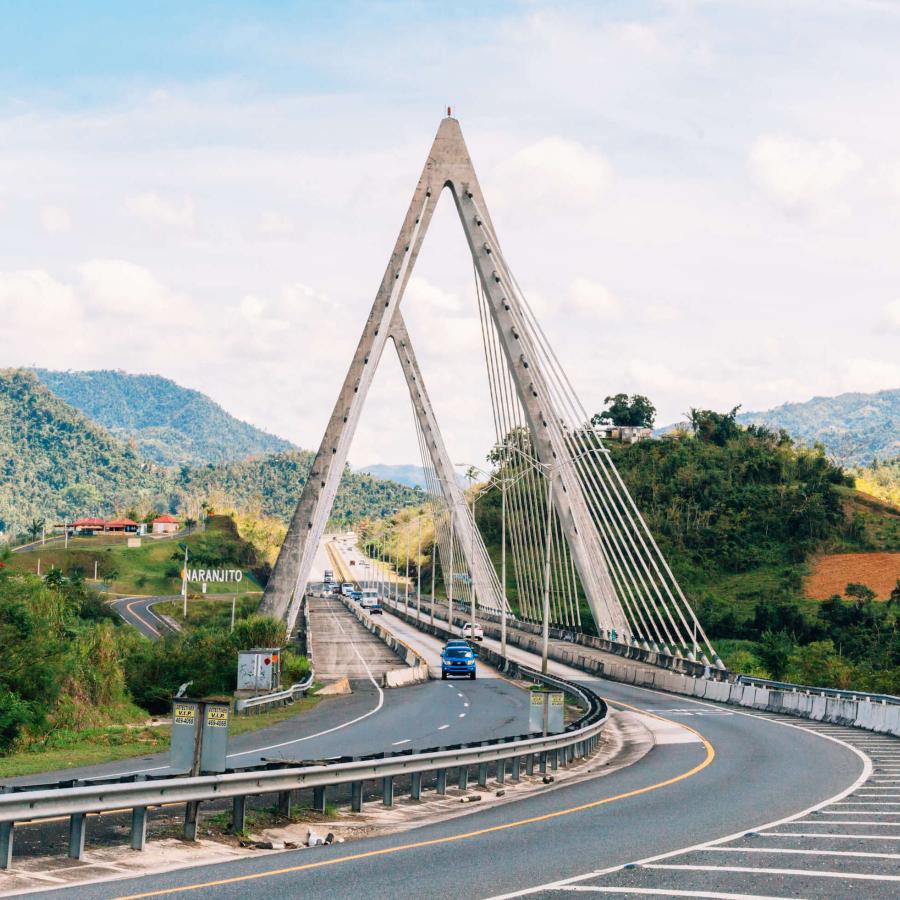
pixel 347 588
pixel 356 596
pixel 473 632
pixel 458 662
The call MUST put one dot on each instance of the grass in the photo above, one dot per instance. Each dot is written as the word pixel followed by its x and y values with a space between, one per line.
pixel 209 612
pixel 70 749
pixel 140 570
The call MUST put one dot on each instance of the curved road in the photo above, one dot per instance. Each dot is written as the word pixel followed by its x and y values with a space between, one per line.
pixel 734 771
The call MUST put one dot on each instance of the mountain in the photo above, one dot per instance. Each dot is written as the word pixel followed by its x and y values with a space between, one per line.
pixel 273 485
pixel 853 428
pixel 55 462
pixel 170 424
pixel 410 475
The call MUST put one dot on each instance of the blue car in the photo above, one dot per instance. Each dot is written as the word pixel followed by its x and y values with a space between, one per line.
pixel 356 595
pixel 458 661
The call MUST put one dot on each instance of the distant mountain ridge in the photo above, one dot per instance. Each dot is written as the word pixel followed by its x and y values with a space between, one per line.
pixel 853 428
pixel 410 475
pixel 169 424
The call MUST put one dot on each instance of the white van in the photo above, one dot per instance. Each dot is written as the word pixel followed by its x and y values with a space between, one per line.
pixel 347 588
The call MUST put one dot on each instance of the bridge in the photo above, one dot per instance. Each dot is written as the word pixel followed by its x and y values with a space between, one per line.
pixel 674 778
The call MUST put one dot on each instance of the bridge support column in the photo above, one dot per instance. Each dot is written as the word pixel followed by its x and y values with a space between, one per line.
pixel 138 827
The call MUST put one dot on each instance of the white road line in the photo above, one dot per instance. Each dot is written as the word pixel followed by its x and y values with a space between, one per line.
pixel 465 704
pixel 837 837
pixel 308 737
pixel 398 743
pixel 442 727
pixel 830 822
pixel 803 852
pixel 751 870
pixel 571 882
pixel 462 715
pixel 854 812
pixel 668 892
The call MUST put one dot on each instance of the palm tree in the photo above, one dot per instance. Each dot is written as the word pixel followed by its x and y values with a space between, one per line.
pixel 189 523
pixel 36 528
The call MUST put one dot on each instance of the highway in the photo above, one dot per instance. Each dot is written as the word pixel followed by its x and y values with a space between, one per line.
pixel 720 773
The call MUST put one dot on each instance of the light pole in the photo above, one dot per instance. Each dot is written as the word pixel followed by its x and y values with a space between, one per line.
pixel 406 580
pixel 433 560
pixel 546 612
pixel 419 571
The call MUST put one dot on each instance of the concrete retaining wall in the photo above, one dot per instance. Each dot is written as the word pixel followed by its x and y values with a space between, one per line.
pixel 417 667
pixel 863 713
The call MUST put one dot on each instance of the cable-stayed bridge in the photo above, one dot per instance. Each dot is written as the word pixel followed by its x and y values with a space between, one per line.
pixel 582 536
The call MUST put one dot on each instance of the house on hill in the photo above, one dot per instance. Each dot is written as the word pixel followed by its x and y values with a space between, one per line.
pixel 165 525
pixel 122 526
pixel 88 526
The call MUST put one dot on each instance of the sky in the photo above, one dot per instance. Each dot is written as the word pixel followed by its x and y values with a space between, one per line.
pixel 701 200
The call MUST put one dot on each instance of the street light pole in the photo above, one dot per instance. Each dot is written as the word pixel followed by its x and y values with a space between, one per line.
pixel 419 573
pixel 503 568
pixel 472 561
pixel 433 559
pixel 406 581
pixel 450 587
pixel 546 612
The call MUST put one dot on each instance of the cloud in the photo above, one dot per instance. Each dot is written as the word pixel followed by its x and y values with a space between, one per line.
pixel 554 171
pixel 155 209
pixel 275 224
pixel 55 219
pixel 892 314
pixel 594 300
pixel 660 314
pixel 804 178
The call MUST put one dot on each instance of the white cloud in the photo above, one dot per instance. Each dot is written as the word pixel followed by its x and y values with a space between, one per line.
pixel 158 210
pixel 554 171
pixel 55 219
pixel 892 314
pixel 804 178
pixel 594 300
pixel 660 314
pixel 275 224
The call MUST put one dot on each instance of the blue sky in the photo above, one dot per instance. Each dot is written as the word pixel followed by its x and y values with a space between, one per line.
pixel 701 199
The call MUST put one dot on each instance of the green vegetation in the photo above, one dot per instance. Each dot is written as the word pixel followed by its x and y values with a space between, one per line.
pixel 881 480
pixel 636 411
pixel 55 463
pixel 853 429
pixel 169 424
pixel 153 568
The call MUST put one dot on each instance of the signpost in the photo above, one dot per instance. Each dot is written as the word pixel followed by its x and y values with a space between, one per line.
pixel 546 713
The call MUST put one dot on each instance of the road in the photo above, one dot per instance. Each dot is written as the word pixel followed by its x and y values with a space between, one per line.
pixel 138 612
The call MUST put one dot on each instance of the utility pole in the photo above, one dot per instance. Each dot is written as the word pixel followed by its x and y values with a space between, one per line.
pixel 546 615
pixel 433 559
pixel 406 582
pixel 472 559
pixel 184 583
pixel 450 588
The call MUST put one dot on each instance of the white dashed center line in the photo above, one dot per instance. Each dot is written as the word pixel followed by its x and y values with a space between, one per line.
pixel 442 727
pixel 398 743
pixel 462 715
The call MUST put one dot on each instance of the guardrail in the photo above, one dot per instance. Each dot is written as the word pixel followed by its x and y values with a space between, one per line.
pixel 288 695
pixel 139 794
pixel 835 693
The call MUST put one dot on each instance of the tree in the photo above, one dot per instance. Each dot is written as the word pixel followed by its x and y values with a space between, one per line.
pixel 712 427
pixel 894 599
pixel 635 411
pixel 36 528
pixel 860 593
pixel 190 523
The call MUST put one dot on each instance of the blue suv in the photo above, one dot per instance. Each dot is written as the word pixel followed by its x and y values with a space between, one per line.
pixel 458 660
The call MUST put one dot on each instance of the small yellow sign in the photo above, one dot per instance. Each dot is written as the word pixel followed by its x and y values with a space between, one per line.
pixel 217 717
pixel 184 714
pixel 557 699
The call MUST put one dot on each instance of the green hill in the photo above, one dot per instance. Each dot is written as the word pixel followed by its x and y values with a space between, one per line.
pixel 854 429
pixel 170 424
pixel 55 462
pixel 273 485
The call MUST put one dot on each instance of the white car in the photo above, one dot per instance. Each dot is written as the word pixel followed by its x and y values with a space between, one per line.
pixel 473 632
pixel 347 588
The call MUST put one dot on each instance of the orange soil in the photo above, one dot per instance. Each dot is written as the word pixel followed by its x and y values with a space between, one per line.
pixel 832 573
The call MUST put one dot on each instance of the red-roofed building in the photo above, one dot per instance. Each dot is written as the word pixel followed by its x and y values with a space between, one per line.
pixel 88 526
pixel 123 525
pixel 165 525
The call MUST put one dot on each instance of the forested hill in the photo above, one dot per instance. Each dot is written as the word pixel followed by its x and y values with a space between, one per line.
pixel 273 483
pixel 170 424
pixel 55 461
pixel 854 429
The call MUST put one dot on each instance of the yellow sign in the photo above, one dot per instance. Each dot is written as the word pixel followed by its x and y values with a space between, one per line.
pixel 184 714
pixel 217 717
pixel 557 699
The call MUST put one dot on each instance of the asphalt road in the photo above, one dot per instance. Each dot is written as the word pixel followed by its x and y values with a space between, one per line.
pixel 738 771
pixel 138 612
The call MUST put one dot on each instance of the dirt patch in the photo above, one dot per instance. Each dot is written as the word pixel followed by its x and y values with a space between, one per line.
pixel 831 573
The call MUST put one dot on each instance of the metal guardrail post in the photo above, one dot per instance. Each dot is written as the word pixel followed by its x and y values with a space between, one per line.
pixel 441 781
pixel 387 790
pixel 356 800
pixel 7 833
pixel 529 764
pixel 284 804
pixel 516 773
pixel 482 774
pixel 554 760
pixel 139 828
pixel 415 788
pixel 501 771
pixel 76 835
pixel 542 762
pixel 319 799
pixel 238 815
pixel 463 778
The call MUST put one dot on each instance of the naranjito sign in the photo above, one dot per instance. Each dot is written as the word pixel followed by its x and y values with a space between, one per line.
pixel 215 576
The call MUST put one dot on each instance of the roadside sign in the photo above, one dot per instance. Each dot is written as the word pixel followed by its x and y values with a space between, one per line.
pixel 546 712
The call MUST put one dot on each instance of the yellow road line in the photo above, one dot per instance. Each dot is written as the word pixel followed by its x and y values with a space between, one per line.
pixel 710 755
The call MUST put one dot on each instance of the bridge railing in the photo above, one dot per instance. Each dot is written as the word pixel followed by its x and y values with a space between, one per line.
pixel 819 691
